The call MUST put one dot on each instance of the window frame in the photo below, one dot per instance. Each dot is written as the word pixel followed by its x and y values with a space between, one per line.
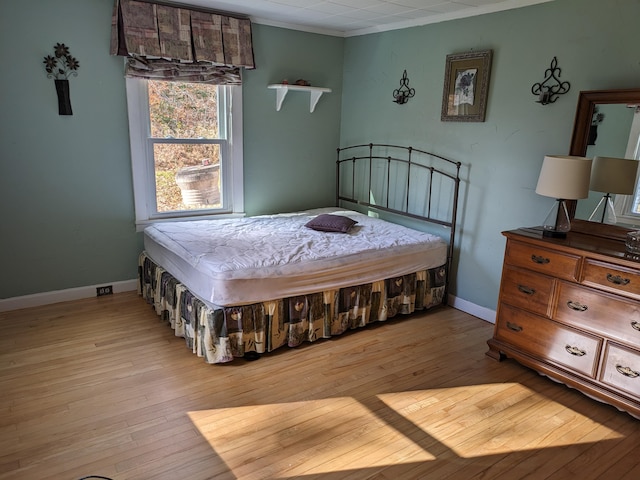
pixel 142 161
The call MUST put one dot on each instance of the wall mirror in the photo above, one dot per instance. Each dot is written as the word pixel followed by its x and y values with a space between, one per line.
pixel 604 123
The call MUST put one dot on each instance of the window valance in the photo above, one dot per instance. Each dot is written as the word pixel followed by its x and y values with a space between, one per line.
pixel 177 43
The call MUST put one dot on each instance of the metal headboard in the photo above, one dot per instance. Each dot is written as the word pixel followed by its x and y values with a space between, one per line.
pixel 402 163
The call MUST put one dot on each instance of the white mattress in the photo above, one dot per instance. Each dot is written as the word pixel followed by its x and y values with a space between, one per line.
pixel 254 259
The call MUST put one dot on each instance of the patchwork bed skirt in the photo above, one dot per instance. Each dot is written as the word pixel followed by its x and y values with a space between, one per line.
pixel 219 334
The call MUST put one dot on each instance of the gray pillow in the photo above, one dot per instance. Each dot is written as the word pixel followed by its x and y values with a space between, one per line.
pixel 326 222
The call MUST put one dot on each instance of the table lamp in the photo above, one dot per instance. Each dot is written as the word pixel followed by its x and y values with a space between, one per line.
pixel 562 178
pixel 611 175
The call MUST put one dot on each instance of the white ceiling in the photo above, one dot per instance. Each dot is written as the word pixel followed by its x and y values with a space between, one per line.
pixel 347 18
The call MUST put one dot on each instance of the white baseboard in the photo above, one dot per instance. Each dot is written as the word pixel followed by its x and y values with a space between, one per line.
pixel 56 296
pixel 472 309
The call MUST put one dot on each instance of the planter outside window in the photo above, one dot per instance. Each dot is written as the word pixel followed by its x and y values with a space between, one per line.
pixel 199 185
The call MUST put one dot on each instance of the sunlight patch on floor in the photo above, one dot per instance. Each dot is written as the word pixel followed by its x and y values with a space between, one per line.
pixel 479 419
pixel 304 437
pixel 337 434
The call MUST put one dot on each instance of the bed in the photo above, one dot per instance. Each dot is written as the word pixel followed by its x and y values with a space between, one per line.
pixel 243 287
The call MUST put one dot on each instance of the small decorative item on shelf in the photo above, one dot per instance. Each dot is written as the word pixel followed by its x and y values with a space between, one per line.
pixel 404 93
pixel 548 91
pixel 59 67
pixel 303 83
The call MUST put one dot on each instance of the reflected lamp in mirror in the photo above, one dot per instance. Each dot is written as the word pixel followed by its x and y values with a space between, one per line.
pixel 611 175
pixel 562 178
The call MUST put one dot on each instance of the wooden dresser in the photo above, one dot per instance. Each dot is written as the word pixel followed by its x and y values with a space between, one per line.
pixel 570 309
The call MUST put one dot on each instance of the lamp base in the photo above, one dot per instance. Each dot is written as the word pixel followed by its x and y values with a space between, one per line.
pixel 557 223
pixel 553 234
pixel 604 211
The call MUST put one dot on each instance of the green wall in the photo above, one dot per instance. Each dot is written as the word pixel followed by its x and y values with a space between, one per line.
pixel 290 155
pixel 65 182
pixel 596 44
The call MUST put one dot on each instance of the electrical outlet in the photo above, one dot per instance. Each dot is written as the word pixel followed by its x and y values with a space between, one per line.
pixel 106 290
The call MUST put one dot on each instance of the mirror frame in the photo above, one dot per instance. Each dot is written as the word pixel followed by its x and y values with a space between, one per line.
pixel 584 113
pixel 587 100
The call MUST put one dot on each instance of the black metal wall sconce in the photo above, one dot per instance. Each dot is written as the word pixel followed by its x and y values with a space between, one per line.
pixel 59 67
pixel 404 93
pixel 596 119
pixel 548 91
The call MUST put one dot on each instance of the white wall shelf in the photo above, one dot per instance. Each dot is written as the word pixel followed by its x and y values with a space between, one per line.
pixel 314 93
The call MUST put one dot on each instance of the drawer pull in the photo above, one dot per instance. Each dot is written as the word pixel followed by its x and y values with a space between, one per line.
pixel 526 290
pixel 578 307
pixel 617 279
pixel 627 372
pixel 513 326
pixel 575 351
pixel 635 325
pixel 539 259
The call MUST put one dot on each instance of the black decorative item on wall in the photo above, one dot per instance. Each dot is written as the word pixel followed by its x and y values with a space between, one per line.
pixel 404 93
pixel 596 120
pixel 548 91
pixel 59 67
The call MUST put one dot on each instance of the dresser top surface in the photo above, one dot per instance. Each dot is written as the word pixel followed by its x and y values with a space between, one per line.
pixel 594 245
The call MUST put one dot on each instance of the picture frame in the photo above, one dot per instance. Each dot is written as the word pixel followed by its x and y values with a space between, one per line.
pixel 466 86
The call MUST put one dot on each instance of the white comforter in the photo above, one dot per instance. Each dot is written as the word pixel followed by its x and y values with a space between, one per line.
pixel 252 259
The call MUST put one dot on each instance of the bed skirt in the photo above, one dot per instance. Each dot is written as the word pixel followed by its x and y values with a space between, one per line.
pixel 220 334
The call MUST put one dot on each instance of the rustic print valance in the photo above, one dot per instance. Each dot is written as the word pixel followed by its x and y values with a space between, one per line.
pixel 166 41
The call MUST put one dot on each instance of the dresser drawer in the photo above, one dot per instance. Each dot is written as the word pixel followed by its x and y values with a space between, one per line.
pixel 548 340
pixel 611 277
pixel 526 289
pixel 621 369
pixel 589 309
pixel 541 260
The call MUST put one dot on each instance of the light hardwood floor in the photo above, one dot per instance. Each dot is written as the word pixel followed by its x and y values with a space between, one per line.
pixel 102 387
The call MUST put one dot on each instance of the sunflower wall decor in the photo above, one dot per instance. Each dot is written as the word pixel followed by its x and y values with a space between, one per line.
pixel 59 67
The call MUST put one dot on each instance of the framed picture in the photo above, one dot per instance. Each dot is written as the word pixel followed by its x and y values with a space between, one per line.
pixel 466 83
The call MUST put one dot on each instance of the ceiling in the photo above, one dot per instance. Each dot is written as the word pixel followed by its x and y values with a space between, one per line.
pixel 347 18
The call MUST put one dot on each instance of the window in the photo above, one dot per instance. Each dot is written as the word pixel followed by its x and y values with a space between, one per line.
pixel 186 149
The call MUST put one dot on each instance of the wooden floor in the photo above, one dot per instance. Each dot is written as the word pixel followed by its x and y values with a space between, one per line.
pixel 102 387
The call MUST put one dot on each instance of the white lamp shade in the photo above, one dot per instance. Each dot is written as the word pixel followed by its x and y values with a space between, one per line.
pixel 564 177
pixel 613 175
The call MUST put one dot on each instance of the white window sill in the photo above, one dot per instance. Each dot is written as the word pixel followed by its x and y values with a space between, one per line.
pixel 141 224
